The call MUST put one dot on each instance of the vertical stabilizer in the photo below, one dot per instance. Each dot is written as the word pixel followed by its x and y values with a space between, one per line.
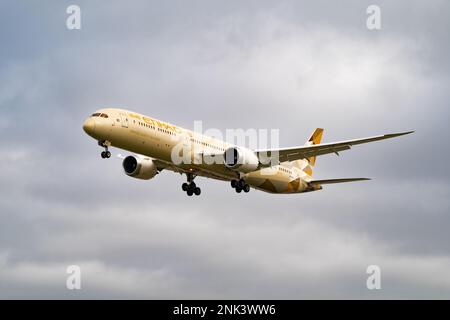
pixel 307 164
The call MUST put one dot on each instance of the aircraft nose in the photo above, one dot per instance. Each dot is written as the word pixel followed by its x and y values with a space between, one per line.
pixel 89 126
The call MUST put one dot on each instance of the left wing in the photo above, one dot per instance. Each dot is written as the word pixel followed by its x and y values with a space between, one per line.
pixel 303 152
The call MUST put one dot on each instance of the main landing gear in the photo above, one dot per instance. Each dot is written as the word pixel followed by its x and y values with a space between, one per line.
pixel 240 185
pixel 105 144
pixel 190 187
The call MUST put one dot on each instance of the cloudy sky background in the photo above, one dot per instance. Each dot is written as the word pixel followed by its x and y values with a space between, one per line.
pixel 288 65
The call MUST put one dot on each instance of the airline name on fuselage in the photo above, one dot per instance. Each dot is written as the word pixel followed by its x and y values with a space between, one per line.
pixel 156 123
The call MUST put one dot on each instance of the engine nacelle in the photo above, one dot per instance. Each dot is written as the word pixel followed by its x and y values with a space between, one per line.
pixel 139 167
pixel 240 159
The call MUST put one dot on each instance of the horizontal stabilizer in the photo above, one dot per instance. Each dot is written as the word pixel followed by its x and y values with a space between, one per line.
pixel 330 181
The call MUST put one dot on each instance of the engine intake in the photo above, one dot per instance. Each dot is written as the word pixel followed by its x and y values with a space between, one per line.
pixel 240 159
pixel 139 167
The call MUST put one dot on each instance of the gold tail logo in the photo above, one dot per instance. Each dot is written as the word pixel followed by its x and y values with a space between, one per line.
pixel 315 138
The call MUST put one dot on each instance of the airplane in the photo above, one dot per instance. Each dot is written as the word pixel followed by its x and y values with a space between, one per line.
pixel 153 143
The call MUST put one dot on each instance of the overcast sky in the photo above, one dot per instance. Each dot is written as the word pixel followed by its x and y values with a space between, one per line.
pixel 288 65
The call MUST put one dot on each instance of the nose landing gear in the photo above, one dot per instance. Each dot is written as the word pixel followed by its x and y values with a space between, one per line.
pixel 105 144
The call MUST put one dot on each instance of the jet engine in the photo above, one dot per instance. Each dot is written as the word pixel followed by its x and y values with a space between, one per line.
pixel 240 159
pixel 139 167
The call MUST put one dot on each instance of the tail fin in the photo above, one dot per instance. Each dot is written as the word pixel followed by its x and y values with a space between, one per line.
pixel 307 164
pixel 315 138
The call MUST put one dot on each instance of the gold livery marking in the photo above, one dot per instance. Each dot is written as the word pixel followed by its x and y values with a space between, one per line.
pixel 294 184
pixel 267 185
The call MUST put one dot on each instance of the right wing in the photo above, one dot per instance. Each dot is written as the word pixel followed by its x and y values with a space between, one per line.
pixel 303 152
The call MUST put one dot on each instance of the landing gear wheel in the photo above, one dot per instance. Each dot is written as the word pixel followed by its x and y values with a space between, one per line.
pixel 234 183
pixel 190 187
pixel 108 154
pixel 246 188
pixel 103 154
pixel 241 183
pixel 238 189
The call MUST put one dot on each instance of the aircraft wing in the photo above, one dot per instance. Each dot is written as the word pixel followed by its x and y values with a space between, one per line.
pixel 307 151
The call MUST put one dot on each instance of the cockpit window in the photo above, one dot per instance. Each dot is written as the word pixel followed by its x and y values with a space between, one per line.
pixel 103 115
